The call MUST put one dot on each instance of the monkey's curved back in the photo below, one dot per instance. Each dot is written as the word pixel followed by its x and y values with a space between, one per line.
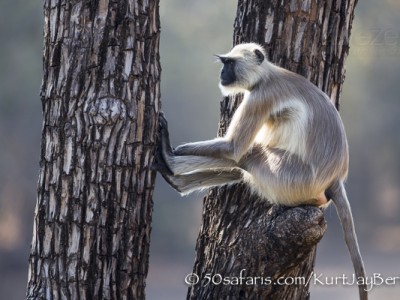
pixel 326 142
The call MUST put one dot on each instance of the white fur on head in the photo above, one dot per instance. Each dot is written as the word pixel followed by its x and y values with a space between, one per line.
pixel 248 70
pixel 240 49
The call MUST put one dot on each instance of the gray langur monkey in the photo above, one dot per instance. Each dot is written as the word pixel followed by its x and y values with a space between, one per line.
pixel 286 140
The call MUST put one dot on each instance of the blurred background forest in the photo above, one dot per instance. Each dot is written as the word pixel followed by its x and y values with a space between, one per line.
pixel 192 31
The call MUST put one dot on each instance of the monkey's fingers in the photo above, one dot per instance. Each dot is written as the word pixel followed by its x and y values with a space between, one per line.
pixel 163 126
pixel 163 121
pixel 164 135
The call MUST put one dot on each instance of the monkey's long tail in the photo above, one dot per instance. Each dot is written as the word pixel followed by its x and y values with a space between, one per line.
pixel 338 194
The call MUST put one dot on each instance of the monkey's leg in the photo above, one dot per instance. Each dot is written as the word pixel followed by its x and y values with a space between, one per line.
pixel 189 163
pixel 281 177
pixel 200 180
pixel 188 183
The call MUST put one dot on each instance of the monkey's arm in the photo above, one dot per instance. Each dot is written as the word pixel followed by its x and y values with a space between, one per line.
pixel 167 163
pixel 245 124
pixel 218 147
pixel 189 173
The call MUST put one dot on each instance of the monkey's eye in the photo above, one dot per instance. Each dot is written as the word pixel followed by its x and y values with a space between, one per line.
pixel 225 60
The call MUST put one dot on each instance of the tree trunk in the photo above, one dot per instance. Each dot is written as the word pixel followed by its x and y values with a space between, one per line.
pixel 100 97
pixel 243 237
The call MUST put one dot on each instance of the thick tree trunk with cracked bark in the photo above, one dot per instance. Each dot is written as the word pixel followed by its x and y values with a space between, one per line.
pixel 100 97
pixel 241 235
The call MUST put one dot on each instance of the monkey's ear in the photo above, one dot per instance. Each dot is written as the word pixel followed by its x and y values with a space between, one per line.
pixel 259 56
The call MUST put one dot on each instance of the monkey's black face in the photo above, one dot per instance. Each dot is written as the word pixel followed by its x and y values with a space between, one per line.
pixel 228 71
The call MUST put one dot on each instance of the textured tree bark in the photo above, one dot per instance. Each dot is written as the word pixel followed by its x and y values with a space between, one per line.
pixel 100 97
pixel 243 237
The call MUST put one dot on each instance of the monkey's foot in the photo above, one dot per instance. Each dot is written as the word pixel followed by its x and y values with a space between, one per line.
pixel 321 199
pixel 161 166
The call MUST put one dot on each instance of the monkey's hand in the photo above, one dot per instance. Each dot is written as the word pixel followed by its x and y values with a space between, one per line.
pixel 163 152
pixel 163 136
pixel 164 149
pixel 165 144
